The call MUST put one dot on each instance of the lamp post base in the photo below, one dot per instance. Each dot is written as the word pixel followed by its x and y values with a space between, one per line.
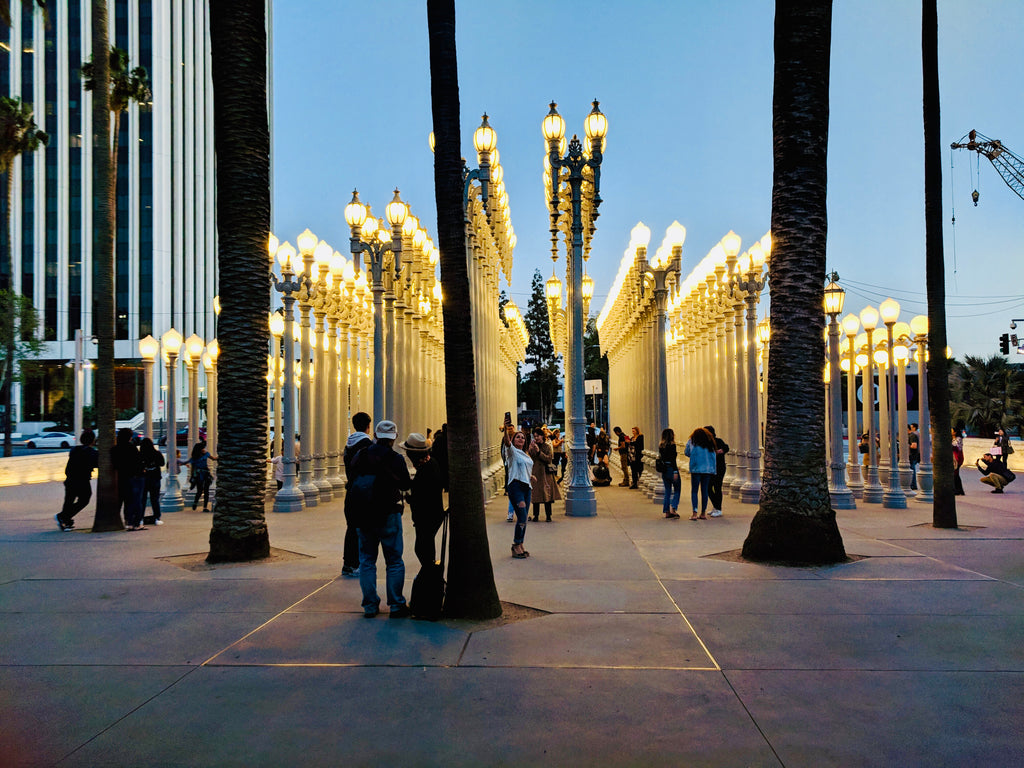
pixel 172 500
pixel 842 498
pixel 750 493
pixel 579 496
pixel 924 484
pixel 289 500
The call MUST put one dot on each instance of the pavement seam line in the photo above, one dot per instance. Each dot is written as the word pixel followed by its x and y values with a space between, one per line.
pixel 268 621
pixel 753 720
pixel 718 667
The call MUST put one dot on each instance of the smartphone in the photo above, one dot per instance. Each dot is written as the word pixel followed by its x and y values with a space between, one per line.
pixel 508 417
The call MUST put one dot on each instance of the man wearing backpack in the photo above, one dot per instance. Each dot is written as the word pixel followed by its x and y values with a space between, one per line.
pixel 380 476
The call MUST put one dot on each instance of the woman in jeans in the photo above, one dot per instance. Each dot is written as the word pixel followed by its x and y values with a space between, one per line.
pixel 520 469
pixel 152 461
pixel 703 465
pixel 669 474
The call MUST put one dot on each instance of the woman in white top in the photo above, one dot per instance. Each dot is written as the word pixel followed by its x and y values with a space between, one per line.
pixel 520 470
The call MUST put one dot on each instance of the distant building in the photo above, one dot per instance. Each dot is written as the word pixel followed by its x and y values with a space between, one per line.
pixel 165 262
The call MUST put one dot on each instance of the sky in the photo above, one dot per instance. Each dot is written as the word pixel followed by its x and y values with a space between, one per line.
pixel 687 88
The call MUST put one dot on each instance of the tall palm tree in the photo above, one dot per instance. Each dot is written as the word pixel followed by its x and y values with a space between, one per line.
pixel 107 518
pixel 471 591
pixel 944 505
pixel 114 86
pixel 5 9
pixel 238 42
pixel 795 522
pixel 19 135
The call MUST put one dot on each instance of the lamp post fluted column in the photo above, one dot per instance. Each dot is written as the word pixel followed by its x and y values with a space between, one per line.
pixel 872 487
pixel 750 493
pixel 851 324
pixel 148 348
pixel 172 500
pixel 841 496
pixel 893 497
pixel 919 327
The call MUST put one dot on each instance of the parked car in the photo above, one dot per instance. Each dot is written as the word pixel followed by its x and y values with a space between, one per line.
pixel 51 440
pixel 182 436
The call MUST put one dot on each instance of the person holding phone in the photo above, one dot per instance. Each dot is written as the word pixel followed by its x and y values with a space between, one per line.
pixel 544 486
pixel 519 466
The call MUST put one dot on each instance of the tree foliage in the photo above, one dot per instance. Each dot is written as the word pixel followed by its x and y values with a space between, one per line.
pixel 539 386
pixel 987 394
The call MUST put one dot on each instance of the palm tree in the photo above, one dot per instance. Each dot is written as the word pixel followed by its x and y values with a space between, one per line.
pixel 107 517
pixel 944 505
pixel 127 85
pixel 795 522
pixel 471 591
pixel 19 135
pixel 238 42
pixel 986 394
pixel 5 10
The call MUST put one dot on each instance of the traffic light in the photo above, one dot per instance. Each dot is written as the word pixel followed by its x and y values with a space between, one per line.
pixel 1004 343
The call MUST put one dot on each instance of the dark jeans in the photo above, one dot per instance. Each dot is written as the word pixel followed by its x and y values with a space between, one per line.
pixel 350 556
pixel 129 493
pixel 547 509
pixel 203 482
pixel 519 498
pixel 638 469
pixel 701 480
pixel 426 533
pixel 388 538
pixel 673 484
pixel 715 490
pixel 152 490
pixel 76 496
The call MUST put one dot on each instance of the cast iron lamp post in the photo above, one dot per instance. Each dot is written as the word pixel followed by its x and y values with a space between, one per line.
pixel 851 325
pixel 148 349
pixel 752 265
pixel 578 177
pixel 893 497
pixel 172 500
pixel 842 497
pixel 369 237
pixel 872 487
pixel 289 498
pixel 919 327
pixel 193 359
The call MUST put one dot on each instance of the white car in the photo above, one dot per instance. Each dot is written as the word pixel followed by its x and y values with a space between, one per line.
pixel 51 440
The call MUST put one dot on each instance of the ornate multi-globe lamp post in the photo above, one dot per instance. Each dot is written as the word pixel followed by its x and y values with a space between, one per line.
pixel 873 490
pixel 751 281
pixel 172 500
pixel 576 176
pixel 851 325
pixel 919 327
pixel 841 496
pixel 289 498
pixel 148 349
pixel 893 497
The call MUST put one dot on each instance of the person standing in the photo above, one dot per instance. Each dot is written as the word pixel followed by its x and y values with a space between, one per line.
pixel 623 448
pixel 591 442
pixel 669 474
pixel 636 456
pixel 958 461
pixel 703 465
pixel 130 481
pixel 82 460
pixel 202 477
pixel 380 520
pixel 913 453
pixel 715 489
pixel 558 446
pixel 439 450
pixel 520 470
pixel 544 488
pixel 426 502
pixel 357 440
pixel 152 461
pixel 1001 448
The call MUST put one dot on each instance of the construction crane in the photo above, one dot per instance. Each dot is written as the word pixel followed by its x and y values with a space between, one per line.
pixel 1009 166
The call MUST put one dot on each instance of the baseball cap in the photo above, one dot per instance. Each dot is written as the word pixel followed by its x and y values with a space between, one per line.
pixel 386 429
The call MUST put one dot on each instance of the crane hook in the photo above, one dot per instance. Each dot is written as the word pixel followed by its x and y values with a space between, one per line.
pixel 974 197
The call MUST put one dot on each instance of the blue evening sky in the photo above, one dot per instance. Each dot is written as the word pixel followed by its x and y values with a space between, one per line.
pixel 687 89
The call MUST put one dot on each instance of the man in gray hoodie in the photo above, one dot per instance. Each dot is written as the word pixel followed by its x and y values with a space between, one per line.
pixel 358 440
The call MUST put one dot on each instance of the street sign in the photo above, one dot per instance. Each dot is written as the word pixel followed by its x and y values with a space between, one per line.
pixel 592 387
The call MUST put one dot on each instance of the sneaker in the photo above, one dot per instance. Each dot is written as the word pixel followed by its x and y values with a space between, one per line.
pixel 511 517
pixel 60 523
pixel 348 570
pixel 158 522
pixel 716 513
pixel 369 613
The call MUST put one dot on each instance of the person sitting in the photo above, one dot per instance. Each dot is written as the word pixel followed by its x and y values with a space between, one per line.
pixel 994 472
pixel 601 476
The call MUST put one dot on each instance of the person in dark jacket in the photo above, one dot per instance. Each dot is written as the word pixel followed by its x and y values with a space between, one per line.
pixel 715 489
pixel 623 448
pixel 439 450
pixel 152 461
pixel 357 440
pixel 130 480
pixel 994 472
pixel 82 460
pixel 380 521
pixel 425 499
pixel 636 456
pixel 202 477
pixel 667 452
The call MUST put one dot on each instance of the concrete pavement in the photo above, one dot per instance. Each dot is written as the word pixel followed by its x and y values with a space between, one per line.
pixel 645 646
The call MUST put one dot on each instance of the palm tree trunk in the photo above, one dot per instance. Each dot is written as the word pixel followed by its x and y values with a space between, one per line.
pixel 8 371
pixel 471 591
pixel 238 41
pixel 944 504
pixel 795 522
pixel 108 518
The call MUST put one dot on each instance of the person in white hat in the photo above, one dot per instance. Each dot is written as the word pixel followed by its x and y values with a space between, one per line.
pixel 379 520
pixel 425 499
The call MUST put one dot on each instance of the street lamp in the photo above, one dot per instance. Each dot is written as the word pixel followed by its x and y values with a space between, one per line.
pixel 289 498
pixel 210 366
pixel 919 327
pixel 900 354
pixel 575 179
pixel 369 237
pixel 172 500
pixel 148 349
pixel 851 325
pixel 663 271
pixel 872 488
pixel 751 264
pixel 193 359
pixel 842 497
pixel 893 498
